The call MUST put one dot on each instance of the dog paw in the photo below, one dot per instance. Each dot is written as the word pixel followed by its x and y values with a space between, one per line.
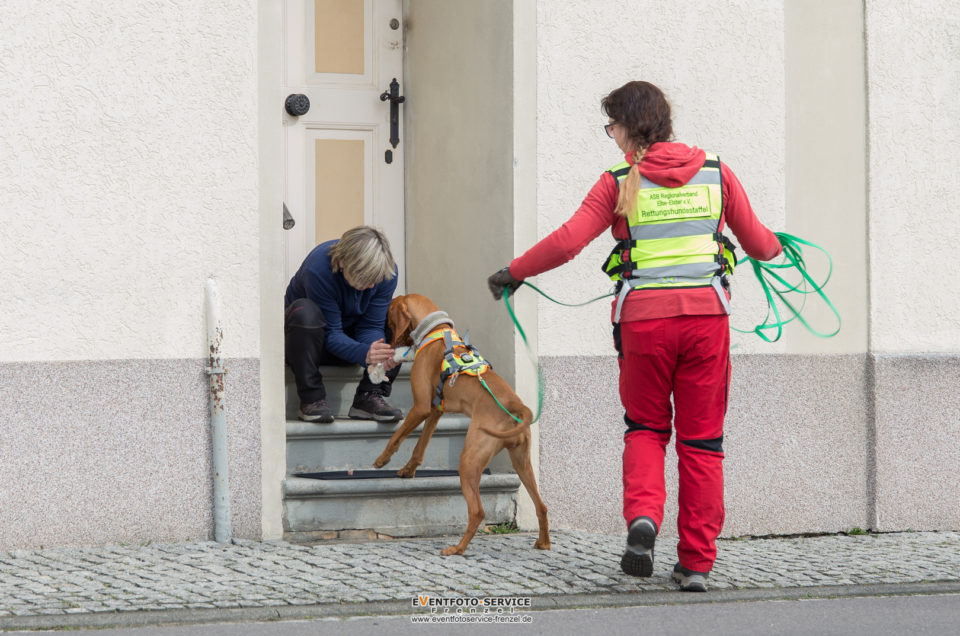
pixel 407 471
pixel 451 550
pixel 381 461
pixel 542 545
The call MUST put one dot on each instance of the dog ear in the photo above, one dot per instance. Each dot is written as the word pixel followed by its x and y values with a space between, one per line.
pixel 398 319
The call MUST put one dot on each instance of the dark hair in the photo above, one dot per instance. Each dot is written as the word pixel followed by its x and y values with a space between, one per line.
pixel 644 112
pixel 642 109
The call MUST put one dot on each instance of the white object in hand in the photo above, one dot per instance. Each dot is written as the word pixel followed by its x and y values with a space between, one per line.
pixel 403 354
pixel 377 373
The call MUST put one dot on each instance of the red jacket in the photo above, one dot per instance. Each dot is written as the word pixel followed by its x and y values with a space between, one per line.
pixel 670 165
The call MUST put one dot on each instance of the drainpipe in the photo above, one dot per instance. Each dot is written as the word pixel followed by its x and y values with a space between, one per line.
pixel 222 531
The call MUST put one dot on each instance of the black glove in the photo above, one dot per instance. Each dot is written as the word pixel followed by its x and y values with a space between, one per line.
pixel 501 281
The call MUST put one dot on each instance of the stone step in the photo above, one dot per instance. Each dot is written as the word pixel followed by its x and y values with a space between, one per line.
pixel 346 444
pixel 422 506
pixel 341 385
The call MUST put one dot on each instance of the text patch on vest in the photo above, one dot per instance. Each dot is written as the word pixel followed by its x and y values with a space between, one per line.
pixel 670 204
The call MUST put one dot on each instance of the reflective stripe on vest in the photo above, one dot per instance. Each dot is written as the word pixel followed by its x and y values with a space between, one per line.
pixel 674 240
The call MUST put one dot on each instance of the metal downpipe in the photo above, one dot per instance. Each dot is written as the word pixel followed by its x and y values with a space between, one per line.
pixel 222 531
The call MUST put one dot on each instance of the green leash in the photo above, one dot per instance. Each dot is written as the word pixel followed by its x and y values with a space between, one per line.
pixel 526 343
pixel 771 281
pixel 512 416
pixel 539 291
pixel 533 359
pixel 775 285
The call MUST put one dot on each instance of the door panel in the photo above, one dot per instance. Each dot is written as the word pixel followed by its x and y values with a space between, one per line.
pixel 339 38
pixel 339 169
pixel 342 54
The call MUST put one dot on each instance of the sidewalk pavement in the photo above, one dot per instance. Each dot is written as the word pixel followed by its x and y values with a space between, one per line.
pixel 251 580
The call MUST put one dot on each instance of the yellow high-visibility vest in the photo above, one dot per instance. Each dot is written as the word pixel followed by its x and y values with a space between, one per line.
pixel 675 240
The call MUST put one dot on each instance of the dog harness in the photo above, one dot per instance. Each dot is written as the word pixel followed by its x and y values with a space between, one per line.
pixel 675 240
pixel 469 361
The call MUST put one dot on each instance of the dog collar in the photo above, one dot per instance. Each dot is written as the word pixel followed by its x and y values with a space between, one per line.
pixel 430 322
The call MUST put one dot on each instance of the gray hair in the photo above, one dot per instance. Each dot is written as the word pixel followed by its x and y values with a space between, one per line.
pixel 363 253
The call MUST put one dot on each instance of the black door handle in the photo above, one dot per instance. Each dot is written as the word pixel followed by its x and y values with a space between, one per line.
pixel 297 104
pixel 288 221
pixel 395 100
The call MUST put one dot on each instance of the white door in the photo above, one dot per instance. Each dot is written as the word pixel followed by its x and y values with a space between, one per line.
pixel 341 168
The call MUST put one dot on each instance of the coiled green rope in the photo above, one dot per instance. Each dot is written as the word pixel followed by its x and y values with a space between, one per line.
pixel 772 281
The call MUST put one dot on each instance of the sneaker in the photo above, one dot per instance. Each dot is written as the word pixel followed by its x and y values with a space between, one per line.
pixel 316 412
pixel 689 580
pixel 373 406
pixel 637 560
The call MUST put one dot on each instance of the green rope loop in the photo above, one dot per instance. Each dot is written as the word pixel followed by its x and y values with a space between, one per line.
pixel 774 285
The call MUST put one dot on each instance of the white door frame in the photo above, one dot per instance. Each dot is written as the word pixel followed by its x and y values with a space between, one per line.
pixel 273 283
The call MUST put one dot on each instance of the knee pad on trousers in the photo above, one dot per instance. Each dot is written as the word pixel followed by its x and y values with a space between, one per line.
pixel 714 445
pixel 637 426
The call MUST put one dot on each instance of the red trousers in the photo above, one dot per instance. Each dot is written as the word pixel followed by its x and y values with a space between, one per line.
pixel 687 357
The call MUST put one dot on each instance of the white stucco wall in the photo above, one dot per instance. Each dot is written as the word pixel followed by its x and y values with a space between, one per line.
pixel 129 176
pixel 720 65
pixel 913 55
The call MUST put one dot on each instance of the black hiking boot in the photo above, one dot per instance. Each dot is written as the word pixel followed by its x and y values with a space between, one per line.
pixel 637 560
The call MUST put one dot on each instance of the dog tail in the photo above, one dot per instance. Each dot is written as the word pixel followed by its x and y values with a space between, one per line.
pixel 526 416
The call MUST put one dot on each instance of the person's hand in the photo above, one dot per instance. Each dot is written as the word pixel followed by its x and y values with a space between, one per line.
pixel 502 281
pixel 380 352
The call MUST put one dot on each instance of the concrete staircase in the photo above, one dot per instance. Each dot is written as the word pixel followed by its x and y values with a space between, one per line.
pixel 387 506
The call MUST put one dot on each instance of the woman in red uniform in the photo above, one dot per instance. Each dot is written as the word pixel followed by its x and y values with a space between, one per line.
pixel 667 205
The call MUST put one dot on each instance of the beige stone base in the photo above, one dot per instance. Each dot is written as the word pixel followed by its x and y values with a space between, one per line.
pixel 812 444
pixel 118 451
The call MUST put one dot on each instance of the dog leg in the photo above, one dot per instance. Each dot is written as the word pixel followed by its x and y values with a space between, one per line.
pixel 470 470
pixel 412 421
pixel 417 457
pixel 520 457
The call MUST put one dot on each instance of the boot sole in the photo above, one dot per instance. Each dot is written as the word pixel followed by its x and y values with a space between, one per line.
pixel 637 564
pixel 637 560
pixel 357 414
pixel 693 583
pixel 319 419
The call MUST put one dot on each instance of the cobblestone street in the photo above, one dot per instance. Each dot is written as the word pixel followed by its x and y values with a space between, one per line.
pixel 250 574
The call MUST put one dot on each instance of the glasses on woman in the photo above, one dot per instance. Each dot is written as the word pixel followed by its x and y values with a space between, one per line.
pixel 609 129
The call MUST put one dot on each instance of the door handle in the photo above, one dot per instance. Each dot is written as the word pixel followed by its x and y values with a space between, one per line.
pixel 395 100
pixel 288 221
pixel 297 104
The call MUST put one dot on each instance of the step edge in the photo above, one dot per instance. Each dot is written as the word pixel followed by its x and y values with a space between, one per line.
pixel 345 428
pixel 303 488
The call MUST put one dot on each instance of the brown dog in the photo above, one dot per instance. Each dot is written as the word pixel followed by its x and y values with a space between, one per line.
pixel 491 428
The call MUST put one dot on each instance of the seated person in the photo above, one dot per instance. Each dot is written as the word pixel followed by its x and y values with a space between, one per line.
pixel 335 314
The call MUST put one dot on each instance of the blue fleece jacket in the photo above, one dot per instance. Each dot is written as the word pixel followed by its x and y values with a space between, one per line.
pixel 362 314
